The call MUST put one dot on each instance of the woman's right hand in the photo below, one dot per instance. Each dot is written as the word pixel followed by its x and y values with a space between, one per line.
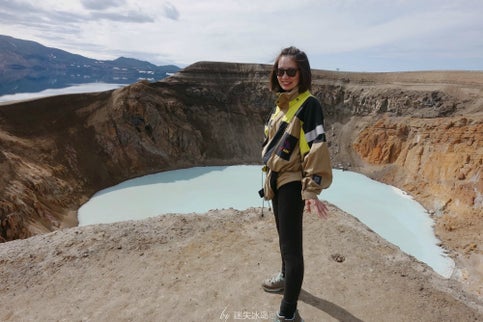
pixel 317 206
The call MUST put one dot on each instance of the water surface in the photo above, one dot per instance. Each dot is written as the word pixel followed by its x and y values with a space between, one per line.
pixel 74 89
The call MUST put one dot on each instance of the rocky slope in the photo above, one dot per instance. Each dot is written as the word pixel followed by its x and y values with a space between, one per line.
pixel 57 151
pixel 418 131
pixel 208 267
pixel 422 132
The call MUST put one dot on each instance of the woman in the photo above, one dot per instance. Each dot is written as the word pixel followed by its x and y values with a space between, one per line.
pixel 298 168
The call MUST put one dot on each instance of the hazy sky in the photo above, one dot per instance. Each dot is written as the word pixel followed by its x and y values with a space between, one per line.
pixel 369 35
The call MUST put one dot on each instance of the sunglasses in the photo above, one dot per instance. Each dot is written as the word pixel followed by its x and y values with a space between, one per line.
pixel 291 72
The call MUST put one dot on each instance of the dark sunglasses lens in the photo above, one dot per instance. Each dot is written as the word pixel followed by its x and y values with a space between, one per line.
pixel 291 72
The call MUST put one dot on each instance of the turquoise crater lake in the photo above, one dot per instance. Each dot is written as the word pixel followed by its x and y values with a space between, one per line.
pixel 387 210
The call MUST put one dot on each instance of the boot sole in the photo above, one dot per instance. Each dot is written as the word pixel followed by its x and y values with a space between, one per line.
pixel 273 290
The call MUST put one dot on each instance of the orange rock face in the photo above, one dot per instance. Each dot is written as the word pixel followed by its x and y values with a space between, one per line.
pixel 438 160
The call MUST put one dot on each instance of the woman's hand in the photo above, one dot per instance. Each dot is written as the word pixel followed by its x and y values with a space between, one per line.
pixel 317 206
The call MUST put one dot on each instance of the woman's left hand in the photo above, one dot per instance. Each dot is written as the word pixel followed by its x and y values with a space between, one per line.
pixel 317 206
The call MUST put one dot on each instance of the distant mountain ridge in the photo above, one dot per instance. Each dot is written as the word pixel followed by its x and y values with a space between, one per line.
pixel 27 66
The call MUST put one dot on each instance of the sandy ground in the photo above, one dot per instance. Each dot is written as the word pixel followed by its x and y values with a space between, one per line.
pixel 209 267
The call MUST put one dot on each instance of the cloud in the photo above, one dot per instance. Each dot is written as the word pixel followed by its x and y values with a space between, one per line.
pixel 170 11
pixel 335 33
pixel 131 17
pixel 115 10
pixel 102 5
pixel 23 20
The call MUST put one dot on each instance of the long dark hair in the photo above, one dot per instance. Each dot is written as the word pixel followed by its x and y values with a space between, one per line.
pixel 302 61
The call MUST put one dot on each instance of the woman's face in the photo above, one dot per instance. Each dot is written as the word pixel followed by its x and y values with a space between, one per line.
pixel 286 66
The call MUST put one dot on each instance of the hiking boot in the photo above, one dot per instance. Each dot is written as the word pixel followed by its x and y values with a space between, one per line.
pixel 275 284
pixel 296 318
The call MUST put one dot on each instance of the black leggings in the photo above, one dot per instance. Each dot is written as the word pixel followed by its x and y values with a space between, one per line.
pixel 288 208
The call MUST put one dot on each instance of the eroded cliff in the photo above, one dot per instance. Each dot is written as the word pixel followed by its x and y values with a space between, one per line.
pixel 422 132
pixel 57 151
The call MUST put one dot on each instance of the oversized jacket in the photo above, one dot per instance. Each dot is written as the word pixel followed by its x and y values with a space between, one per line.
pixel 295 148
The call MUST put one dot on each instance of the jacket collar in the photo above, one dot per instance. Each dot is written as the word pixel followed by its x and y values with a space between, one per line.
pixel 284 98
